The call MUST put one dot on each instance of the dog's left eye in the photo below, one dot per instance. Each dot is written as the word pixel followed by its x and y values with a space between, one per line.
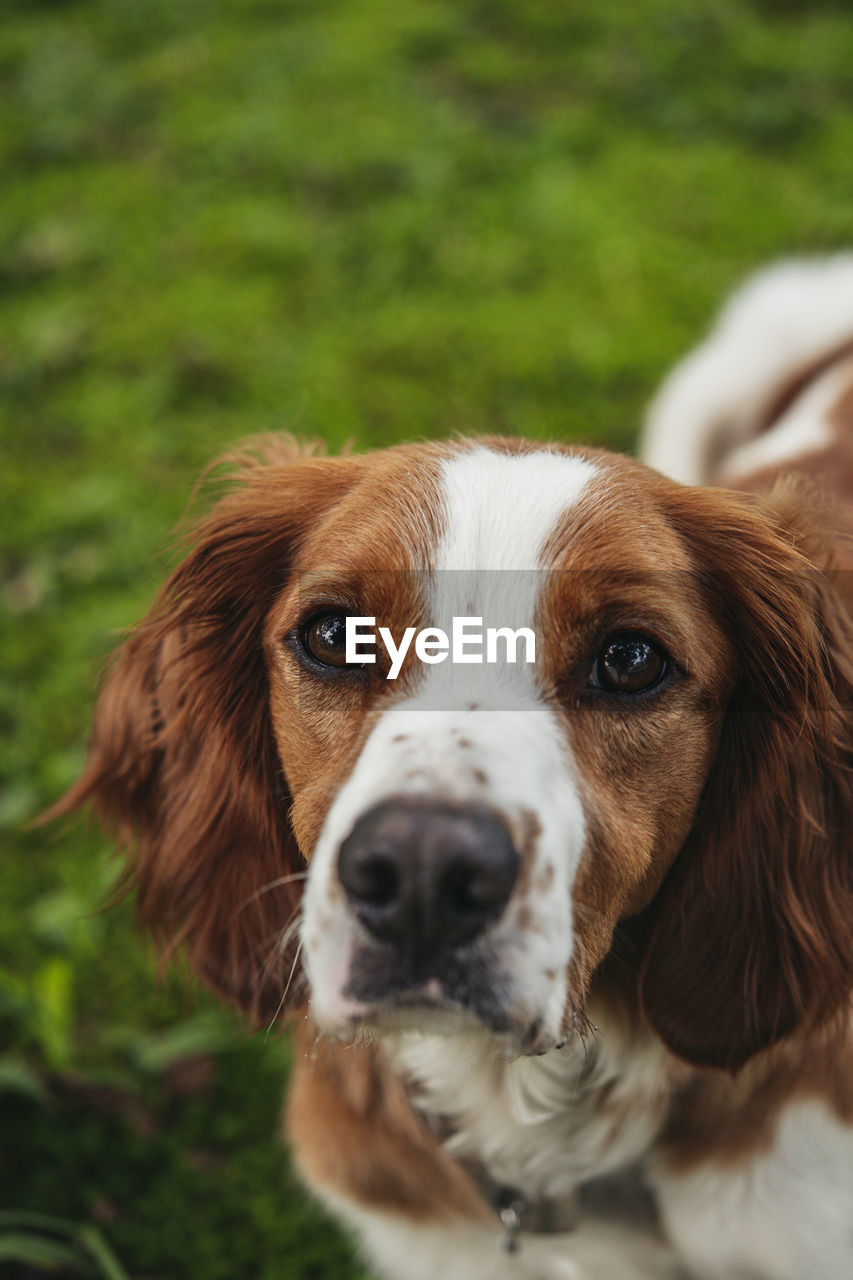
pixel 325 639
pixel 629 663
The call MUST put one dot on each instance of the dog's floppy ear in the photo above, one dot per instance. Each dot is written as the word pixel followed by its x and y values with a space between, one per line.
pixel 182 765
pixel 751 934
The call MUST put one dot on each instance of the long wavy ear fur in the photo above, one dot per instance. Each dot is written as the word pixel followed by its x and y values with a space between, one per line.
pixel 182 765
pixel 751 935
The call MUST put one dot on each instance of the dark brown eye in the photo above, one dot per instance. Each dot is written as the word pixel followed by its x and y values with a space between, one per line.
pixel 629 663
pixel 325 639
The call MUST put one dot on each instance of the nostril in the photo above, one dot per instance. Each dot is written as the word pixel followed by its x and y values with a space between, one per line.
pixel 458 888
pixel 472 891
pixel 462 888
pixel 377 881
pixel 369 875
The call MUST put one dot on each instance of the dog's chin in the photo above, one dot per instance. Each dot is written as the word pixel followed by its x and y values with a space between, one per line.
pixel 458 994
pixel 427 1012
pixel 428 1017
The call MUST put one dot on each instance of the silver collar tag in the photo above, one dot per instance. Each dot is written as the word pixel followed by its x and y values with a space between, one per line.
pixel 510 1205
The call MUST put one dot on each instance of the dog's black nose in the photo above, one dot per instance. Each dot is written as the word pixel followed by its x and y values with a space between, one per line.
pixel 427 876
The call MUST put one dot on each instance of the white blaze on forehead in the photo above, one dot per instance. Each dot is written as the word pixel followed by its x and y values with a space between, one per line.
pixel 501 508
pixel 499 512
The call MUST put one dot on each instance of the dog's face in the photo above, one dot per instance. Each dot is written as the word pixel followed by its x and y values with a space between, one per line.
pixel 469 836
pixel 476 831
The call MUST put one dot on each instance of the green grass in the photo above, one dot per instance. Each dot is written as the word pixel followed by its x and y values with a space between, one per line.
pixel 358 219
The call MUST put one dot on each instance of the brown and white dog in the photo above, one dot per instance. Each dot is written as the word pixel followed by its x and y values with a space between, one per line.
pixel 547 923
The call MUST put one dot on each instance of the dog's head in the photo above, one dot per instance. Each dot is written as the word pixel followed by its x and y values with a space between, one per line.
pixel 668 782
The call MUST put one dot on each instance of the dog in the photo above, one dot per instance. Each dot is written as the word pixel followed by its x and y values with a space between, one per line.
pixel 569 942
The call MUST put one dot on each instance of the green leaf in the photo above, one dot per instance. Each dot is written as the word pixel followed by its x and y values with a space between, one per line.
pixel 16 1078
pixel 64 922
pixel 108 1264
pixel 52 988
pixel 40 1251
pixel 29 1237
pixel 203 1036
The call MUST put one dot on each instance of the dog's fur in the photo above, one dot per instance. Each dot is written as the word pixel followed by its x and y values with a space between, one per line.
pixel 665 990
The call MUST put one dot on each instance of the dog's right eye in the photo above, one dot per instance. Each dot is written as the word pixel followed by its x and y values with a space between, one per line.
pixel 629 663
pixel 324 637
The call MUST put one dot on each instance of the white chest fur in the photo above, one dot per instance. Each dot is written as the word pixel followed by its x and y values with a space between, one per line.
pixel 541 1124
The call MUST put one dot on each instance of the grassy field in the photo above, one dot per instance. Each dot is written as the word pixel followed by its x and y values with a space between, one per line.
pixel 356 220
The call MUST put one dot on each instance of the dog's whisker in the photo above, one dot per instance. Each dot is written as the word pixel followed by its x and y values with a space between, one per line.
pixel 268 888
pixel 284 993
pixel 274 947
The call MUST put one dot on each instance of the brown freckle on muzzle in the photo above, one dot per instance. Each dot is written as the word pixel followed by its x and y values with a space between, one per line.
pixel 525 918
pixel 335 892
pixel 545 879
pixel 531 830
pixel 527 921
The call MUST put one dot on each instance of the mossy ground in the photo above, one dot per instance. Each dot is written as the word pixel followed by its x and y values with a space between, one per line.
pixel 357 220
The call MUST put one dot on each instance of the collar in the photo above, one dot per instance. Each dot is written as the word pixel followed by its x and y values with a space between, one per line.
pixel 623 1197
pixel 519 1215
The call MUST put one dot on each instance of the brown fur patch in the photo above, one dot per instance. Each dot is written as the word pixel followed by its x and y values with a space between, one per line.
pixel 789 392
pixel 354 1130
pixel 749 935
pixel 822 481
pixel 714 1116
